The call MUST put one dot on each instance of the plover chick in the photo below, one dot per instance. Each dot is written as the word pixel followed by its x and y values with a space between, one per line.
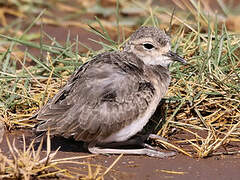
pixel 111 98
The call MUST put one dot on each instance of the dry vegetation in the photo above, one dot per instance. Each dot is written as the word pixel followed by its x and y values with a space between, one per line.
pixel 203 102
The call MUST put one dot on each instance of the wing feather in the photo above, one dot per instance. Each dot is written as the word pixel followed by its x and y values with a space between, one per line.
pixel 102 96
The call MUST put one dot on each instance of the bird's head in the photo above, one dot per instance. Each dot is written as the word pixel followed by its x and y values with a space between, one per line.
pixel 152 46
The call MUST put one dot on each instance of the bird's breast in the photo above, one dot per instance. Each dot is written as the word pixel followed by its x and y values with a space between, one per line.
pixel 137 125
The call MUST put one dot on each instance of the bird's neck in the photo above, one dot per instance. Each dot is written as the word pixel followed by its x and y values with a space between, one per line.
pixel 162 75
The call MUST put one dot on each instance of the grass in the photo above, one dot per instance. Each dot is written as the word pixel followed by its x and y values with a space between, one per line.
pixel 208 88
pixel 202 104
pixel 29 163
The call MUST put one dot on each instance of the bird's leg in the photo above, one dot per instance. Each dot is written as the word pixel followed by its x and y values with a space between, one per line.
pixel 140 139
pixel 143 151
pixel 114 148
pixel 154 136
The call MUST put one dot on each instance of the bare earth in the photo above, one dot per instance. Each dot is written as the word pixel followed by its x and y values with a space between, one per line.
pixel 142 167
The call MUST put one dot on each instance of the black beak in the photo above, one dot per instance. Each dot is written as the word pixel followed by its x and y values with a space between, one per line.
pixel 176 57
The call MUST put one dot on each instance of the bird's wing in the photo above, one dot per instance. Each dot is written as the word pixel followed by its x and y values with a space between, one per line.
pixel 105 94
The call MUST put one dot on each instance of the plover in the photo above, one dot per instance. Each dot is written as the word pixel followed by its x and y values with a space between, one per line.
pixel 109 99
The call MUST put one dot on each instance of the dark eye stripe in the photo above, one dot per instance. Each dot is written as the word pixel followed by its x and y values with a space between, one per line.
pixel 148 46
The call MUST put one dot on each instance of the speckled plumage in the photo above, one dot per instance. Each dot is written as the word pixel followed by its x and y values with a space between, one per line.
pixel 113 91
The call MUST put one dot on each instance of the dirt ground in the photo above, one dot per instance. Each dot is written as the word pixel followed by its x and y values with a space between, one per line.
pixel 141 167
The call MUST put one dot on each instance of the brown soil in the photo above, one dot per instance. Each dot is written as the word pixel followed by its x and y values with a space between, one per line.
pixel 142 167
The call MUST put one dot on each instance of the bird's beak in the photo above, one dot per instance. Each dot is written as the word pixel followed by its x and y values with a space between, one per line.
pixel 176 57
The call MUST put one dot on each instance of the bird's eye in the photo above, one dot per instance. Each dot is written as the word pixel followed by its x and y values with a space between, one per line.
pixel 148 46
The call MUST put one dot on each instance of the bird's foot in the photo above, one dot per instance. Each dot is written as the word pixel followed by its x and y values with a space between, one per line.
pixel 148 150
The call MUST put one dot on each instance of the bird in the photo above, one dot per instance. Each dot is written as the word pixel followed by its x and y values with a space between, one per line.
pixel 108 100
